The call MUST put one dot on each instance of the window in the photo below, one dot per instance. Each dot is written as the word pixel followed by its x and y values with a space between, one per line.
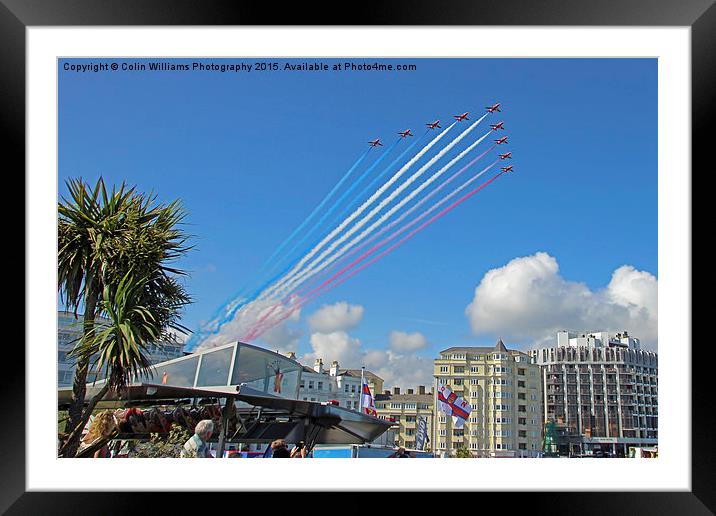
pixel 310 384
pixel 444 369
pixel 459 369
pixel 521 371
pixel 320 386
pixel 474 369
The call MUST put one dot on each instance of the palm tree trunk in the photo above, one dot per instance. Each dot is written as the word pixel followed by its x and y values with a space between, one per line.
pixel 79 382
pixel 74 438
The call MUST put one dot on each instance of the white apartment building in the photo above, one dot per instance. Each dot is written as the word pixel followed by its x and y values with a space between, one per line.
pixel 69 329
pixel 342 385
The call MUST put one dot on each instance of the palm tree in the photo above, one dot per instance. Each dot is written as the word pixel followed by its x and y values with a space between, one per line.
pixel 102 237
pixel 117 349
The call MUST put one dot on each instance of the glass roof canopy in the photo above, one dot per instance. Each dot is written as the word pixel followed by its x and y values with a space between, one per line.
pixel 229 366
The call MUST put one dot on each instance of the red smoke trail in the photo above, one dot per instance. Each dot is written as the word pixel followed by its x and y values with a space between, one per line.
pixel 399 219
pixel 284 301
pixel 323 288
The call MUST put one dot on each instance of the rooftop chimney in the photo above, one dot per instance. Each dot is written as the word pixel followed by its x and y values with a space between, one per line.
pixel 396 390
pixel 334 368
pixel 318 365
pixel 291 355
pixel 421 389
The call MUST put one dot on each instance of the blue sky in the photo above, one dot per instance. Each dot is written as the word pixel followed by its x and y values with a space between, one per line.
pixel 251 154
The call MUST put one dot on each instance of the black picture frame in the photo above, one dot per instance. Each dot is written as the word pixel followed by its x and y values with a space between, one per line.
pixel 17 15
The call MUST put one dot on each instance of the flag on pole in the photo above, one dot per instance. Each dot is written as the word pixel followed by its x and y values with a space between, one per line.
pixel 367 404
pixel 453 405
pixel 421 438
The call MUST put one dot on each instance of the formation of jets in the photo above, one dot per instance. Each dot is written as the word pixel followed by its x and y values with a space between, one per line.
pixel 460 118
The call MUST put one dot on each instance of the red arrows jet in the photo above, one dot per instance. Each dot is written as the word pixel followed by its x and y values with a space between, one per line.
pixel 493 108
pixel 462 117
pixel 507 169
pixel 497 126
pixel 375 143
pixel 507 155
pixel 501 140
pixel 405 133
pixel 434 125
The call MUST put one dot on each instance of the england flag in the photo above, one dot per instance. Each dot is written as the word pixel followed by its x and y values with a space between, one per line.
pixel 367 402
pixel 453 405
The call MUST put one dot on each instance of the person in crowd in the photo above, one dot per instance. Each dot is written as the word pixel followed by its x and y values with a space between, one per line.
pixel 100 428
pixel 279 449
pixel 400 453
pixel 299 451
pixel 197 446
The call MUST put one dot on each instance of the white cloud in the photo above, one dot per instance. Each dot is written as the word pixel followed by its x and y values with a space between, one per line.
pixel 402 341
pixel 332 346
pixel 280 336
pixel 406 371
pixel 397 369
pixel 528 299
pixel 336 317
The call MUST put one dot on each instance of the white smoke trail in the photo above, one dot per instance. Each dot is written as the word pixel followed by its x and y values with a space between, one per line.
pixel 280 285
pixel 313 269
pixel 356 213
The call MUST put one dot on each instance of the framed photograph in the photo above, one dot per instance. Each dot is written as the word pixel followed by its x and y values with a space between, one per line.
pixel 438 232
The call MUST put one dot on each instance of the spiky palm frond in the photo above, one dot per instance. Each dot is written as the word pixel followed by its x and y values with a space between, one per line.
pixel 118 348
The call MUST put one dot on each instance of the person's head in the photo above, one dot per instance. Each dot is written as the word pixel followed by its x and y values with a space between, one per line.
pixel 281 453
pixel 102 425
pixel 278 444
pixel 204 429
pixel 401 451
pixel 280 449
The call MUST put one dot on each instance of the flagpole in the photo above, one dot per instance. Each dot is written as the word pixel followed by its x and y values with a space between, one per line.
pixel 360 400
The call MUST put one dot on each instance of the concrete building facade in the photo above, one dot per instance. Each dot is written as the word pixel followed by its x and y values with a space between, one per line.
pixel 69 330
pixel 342 385
pixel 405 409
pixel 602 387
pixel 504 390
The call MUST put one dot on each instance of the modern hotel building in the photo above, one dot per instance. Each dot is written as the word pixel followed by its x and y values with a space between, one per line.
pixel 603 388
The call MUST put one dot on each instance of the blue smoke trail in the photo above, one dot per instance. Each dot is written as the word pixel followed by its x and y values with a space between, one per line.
pixel 315 210
pixel 290 266
pixel 358 197
pixel 218 319
pixel 345 194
